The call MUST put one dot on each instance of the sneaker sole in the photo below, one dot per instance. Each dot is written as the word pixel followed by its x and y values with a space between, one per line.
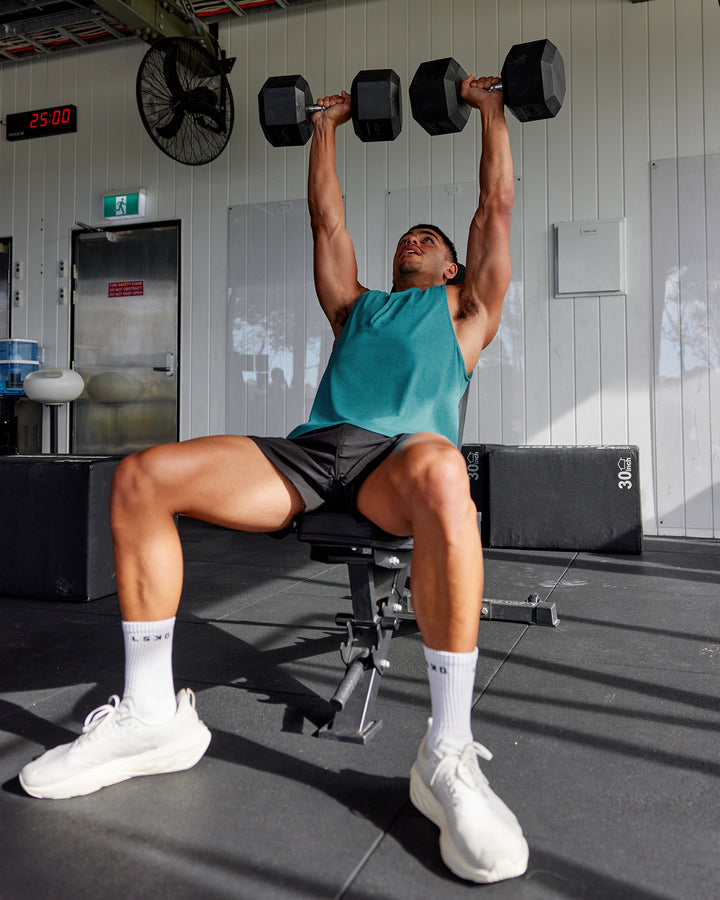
pixel 176 757
pixel 423 799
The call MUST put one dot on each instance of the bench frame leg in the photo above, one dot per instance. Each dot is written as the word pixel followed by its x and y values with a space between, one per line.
pixel 377 586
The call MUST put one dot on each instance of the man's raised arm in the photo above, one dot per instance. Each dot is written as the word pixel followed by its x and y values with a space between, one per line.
pixel 335 265
pixel 488 266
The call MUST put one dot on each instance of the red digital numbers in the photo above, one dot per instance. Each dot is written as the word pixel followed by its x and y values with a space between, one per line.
pixel 58 116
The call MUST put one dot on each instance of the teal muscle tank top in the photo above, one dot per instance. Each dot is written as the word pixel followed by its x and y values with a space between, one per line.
pixel 395 368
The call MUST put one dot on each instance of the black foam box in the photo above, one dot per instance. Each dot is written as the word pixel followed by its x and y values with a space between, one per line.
pixel 55 540
pixel 558 498
pixel 476 460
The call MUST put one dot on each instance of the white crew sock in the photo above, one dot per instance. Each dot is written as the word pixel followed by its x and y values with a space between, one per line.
pixel 452 680
pixel 148 669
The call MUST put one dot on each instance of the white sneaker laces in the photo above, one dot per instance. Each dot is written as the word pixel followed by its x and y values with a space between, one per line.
pixel 100 715
pixel 466 766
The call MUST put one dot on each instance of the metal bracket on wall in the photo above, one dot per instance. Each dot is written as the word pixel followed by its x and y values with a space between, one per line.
pixel 151 20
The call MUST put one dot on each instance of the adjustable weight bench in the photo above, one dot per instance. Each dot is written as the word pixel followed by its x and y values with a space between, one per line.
pixel 379 572
pixel 379 569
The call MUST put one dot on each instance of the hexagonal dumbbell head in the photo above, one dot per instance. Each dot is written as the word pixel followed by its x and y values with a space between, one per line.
pixel 283 102
pixel 435 96
pixel 375 101
pixel 533 80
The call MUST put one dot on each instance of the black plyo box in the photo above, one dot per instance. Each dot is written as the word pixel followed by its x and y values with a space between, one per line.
pixel 559 498
pixel 56 541
pixel 476 460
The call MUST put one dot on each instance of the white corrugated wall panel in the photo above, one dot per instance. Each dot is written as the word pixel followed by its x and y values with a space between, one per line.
pixel 611 205
pixel 560 209
pixel 635 154
pixel 712 181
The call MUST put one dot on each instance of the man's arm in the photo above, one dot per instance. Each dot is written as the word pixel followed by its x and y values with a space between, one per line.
pixel 335 266
pixel 488 268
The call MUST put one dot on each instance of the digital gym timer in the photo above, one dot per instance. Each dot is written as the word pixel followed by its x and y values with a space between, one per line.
pixel 41 122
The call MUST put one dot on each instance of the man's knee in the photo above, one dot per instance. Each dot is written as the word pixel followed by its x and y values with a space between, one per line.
pixel 133 481
pixel 436 476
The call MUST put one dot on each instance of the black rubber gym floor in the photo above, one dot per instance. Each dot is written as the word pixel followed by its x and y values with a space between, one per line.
pixel 605 732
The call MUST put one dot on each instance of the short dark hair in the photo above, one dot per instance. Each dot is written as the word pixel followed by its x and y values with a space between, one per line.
pixel 445 239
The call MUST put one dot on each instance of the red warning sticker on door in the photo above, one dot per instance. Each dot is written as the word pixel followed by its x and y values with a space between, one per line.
pixel 125 288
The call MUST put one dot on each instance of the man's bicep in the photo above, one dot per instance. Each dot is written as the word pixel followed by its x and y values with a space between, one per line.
pixel 335 269
pixel 489 238
pixel 488 252
pixel 487 277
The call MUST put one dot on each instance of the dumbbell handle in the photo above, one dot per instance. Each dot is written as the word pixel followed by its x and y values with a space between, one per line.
pixel 315 108
pixel 493 87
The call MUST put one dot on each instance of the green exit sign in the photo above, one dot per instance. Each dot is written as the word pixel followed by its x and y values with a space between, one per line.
pixel 124 206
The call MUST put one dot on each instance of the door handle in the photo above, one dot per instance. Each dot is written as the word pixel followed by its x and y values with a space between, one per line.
pixel 169 367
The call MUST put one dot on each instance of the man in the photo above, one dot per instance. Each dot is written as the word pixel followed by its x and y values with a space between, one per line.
pixel 380 441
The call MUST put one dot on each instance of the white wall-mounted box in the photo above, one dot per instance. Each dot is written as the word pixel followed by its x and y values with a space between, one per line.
pixel 590 258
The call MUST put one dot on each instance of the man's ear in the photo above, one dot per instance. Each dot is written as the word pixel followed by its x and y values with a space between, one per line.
pixel 450 273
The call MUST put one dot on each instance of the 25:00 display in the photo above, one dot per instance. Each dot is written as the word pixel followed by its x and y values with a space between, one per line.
pixel 58 117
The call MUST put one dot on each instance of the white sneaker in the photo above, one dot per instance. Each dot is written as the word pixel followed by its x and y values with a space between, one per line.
pixel 480 838
pixel 115 746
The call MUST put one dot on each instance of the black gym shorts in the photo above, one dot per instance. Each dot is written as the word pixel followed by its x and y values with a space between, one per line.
pixel 327 466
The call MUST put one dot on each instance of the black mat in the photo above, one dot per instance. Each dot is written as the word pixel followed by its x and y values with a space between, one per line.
pixel 604 732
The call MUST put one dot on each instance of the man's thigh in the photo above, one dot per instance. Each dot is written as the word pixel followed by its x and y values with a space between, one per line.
pixel 224 479
pixel 384 496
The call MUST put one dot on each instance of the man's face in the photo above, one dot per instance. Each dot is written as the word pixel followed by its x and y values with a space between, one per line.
pixel 423 251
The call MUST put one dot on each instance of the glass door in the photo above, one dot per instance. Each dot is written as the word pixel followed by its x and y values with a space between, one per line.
pixel 125 338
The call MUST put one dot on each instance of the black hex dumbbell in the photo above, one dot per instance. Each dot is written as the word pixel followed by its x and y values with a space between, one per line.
pixel 286 105
pixel 532 81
